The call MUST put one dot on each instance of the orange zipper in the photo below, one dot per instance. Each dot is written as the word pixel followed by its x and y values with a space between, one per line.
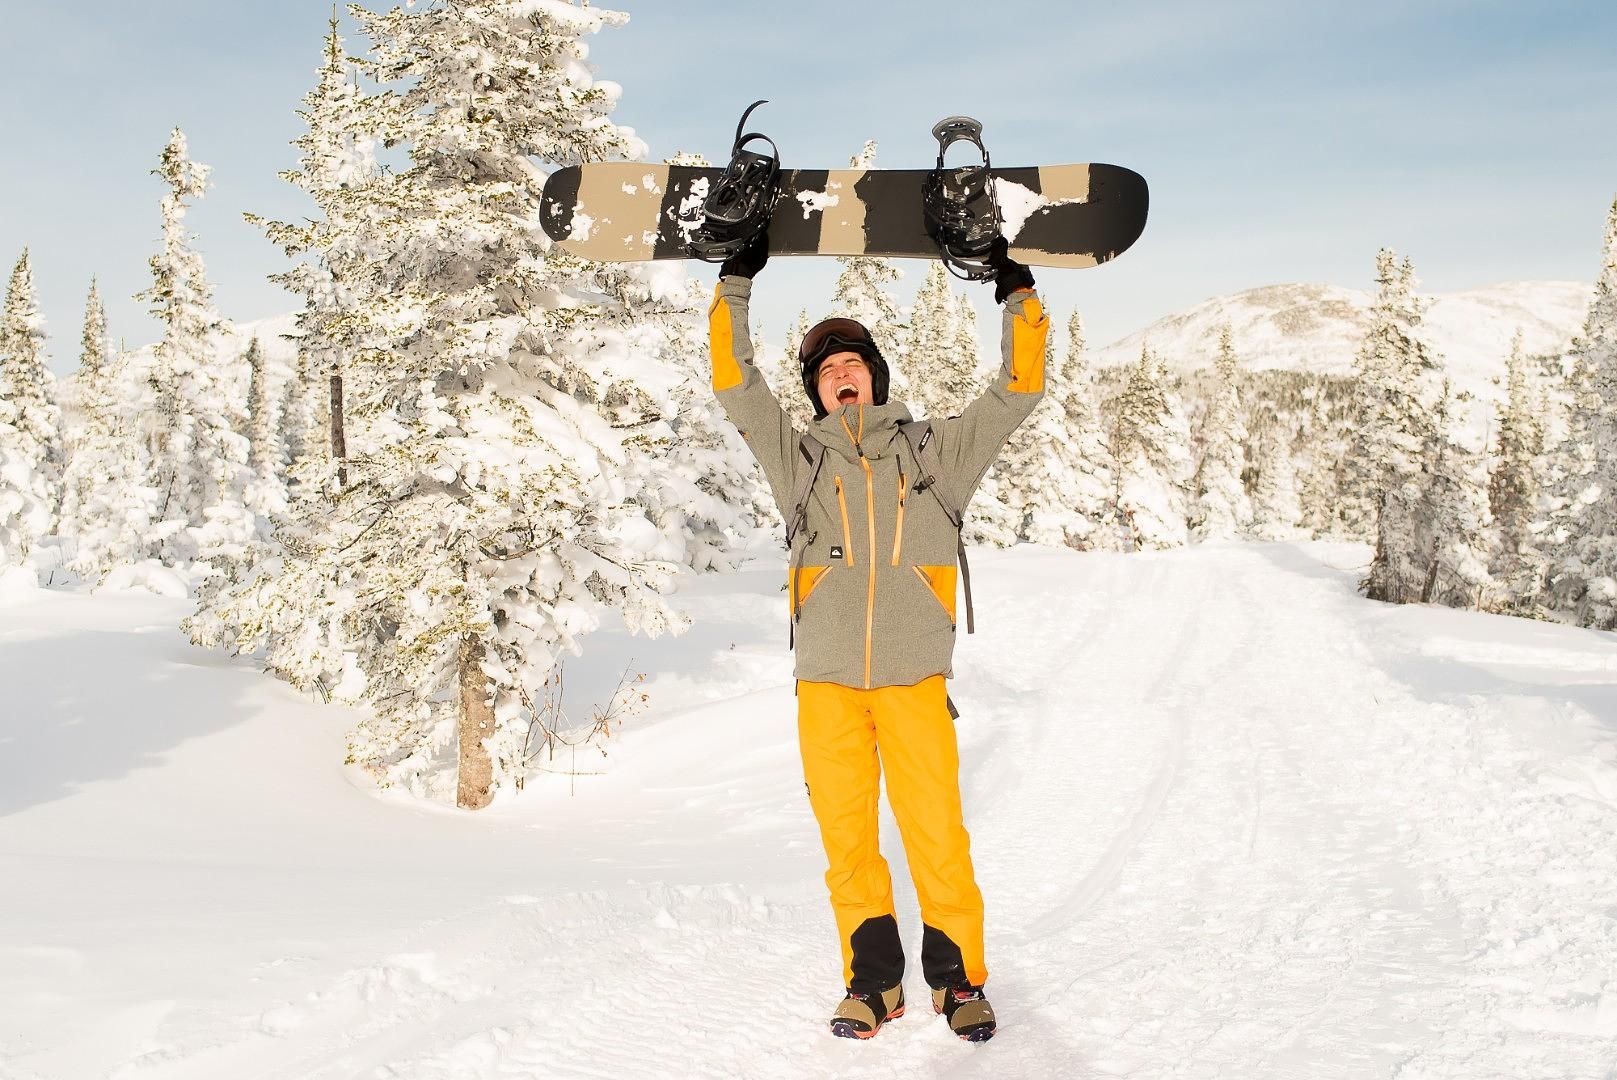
pixel 847 533
pixel 898 533
pixel 870 599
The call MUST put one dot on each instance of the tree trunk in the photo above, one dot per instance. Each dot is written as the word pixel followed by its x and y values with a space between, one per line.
pixel 339 445
pixel 475 775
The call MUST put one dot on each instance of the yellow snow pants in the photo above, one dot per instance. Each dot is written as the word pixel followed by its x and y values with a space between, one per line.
pixel 848 737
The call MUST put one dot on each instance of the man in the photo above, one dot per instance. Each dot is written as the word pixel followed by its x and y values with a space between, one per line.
pixel 872 596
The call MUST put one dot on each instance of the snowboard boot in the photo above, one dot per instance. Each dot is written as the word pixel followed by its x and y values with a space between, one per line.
pixel 967 1010
pixel 861 1015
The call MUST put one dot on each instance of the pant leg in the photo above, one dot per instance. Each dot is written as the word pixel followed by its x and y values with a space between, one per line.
pixel 838 739
pixel 916 737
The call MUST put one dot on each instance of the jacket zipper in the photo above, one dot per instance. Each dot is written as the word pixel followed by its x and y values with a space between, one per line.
pixel 870 522
pixel 898 533
pixel 847 534
pixel 870 599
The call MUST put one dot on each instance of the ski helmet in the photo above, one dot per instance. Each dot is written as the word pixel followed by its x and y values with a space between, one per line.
pixel 830 336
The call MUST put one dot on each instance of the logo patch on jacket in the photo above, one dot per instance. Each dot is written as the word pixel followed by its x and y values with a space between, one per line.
pixel 836 551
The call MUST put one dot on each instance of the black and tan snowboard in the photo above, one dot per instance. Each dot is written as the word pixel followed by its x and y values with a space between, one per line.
pixel 1051 215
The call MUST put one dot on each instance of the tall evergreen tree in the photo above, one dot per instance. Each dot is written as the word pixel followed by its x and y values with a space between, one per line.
pixel 940 374
pixel 196 457
pixel 495 389
pixel 1276 504
pixel 1583 576
pixel 1221 507
pixel 30 440
pixel 1151 445
pixel 788 377
pixel 105 510
pixel 264 461
pixel 1513 486
pixel 1396 379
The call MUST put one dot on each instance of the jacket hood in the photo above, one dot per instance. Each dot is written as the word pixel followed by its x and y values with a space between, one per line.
pixel 875 437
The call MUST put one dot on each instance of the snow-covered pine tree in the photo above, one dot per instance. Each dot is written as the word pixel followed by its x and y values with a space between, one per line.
pixel 1091 521
pixel 787 377
pixel 940 376
pixel 1513 486
pixel 1396 380
pixel 105 511
pixel 267 490
pixel 1221 507
pixel 1583 575
pixel 30 428
pixel 862 293
pixel 491 384
pixel 196 458
pixel 1320 476
pixel 1432 540
pixel 1276 505
pixel 1151 445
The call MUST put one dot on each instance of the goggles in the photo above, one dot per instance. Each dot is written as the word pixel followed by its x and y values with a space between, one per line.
pixel 825 337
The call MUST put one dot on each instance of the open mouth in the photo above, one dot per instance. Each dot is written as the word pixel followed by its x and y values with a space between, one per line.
pixel 847 395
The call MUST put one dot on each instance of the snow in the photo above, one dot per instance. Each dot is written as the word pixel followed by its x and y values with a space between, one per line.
pixel 1230 819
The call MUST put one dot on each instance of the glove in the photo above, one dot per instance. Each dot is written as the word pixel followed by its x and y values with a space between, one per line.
pixel 1009 275
pixel 749 260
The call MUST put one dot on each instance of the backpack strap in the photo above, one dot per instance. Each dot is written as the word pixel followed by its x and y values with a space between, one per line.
pixel 919 433
pixel 813 451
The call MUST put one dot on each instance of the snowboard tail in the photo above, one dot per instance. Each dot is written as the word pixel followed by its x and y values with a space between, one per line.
pixel 1054 215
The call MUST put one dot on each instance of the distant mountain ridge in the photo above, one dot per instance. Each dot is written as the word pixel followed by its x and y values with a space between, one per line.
pixel 1317 327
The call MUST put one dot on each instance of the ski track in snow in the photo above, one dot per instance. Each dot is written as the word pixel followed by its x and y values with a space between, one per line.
pixel 1230 820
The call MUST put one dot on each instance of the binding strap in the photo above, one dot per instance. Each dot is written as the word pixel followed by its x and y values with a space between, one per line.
pixel 813 451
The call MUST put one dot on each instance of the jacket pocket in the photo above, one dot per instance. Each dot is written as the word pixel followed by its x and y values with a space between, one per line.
pixel 802 581
pixel 939 581
pixel 898 533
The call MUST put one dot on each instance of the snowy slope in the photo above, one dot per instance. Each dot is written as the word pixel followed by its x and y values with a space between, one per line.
pixel 1231 820
pixel 1318 328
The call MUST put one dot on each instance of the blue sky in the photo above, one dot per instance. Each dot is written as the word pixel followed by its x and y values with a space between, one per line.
pixel 1282 141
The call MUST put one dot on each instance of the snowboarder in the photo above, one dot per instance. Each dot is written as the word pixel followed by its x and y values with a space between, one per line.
pixel 872 599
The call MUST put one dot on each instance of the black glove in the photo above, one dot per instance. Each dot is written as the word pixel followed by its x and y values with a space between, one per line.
pixel 1009 275
pixel 749 260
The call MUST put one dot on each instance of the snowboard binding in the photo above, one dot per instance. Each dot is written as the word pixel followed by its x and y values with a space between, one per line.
pixel 742 200
pixel 962 214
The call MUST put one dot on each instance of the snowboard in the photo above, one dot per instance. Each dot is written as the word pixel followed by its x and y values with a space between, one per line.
pixel 1054 215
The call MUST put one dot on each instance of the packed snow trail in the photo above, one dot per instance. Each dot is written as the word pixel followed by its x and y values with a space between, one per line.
pixel 1229 819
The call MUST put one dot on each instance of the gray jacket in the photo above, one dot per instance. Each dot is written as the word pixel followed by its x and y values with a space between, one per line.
pixel 874 599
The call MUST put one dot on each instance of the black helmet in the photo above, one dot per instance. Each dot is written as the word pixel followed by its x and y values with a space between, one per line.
pixel 830 336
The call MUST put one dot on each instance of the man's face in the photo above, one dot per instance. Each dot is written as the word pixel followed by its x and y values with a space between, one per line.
pixel 845 380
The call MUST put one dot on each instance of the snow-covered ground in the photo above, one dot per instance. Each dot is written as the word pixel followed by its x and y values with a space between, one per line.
pixel 1230 819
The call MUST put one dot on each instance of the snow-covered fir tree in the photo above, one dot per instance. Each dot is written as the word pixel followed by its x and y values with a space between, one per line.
pixel 195 455
pixel 1397 383
pixel 494 389
pixel 105 511
pixel 1064 493
pixel 941 376
pixel 1276 505
pixel 1221 507
pixel 1513 486
pixel 268 486
pixel 30 428
pixel 1432 534
pixel 1320 474
pixel 787 377
pixel 1583 572
pixel 1151 447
